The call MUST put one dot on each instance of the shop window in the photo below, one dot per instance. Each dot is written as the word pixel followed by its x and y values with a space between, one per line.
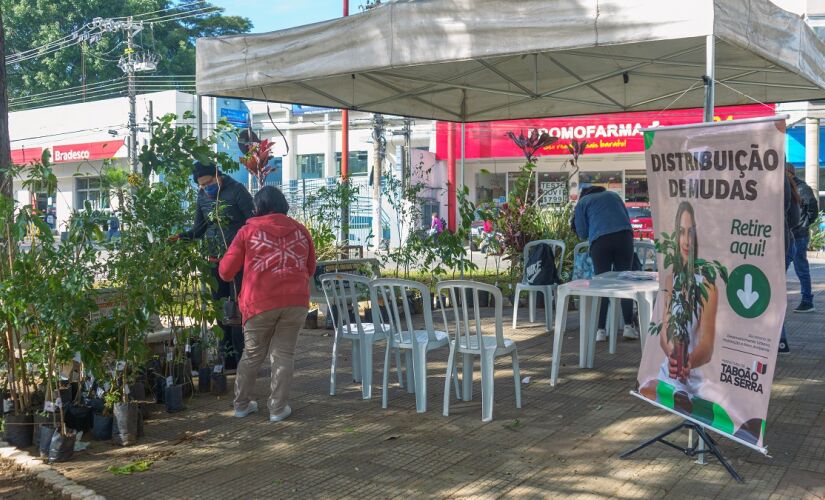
pixel 490 188
pixel 552 188
pixel 610 180
pixel 512 179
pixel 90 189
pixel 635 186
pixel 358 163
pixel 310 166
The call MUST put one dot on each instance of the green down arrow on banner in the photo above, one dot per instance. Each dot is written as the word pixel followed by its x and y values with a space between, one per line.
pixel 749 291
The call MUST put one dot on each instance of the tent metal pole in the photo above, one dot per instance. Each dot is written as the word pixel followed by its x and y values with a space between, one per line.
pixel 451 177
pixel 461 175
pixel 344 236
pixel 710 77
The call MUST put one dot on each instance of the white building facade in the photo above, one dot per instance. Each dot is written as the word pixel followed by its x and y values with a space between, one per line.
pixel 81 139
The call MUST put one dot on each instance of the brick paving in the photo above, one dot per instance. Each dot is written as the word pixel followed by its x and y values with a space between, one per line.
pixel 563 443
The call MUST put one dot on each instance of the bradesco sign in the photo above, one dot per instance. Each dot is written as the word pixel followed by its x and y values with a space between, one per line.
pixel 609 133
pixel 86 151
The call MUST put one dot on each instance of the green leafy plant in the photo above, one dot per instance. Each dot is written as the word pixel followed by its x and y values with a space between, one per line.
pixel 319 211
pixel 687 295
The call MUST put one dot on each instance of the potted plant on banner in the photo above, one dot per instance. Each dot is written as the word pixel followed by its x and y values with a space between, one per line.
pixel 685 298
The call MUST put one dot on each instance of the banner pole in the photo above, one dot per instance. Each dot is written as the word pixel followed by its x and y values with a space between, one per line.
pixel 710 73
pixel 709 77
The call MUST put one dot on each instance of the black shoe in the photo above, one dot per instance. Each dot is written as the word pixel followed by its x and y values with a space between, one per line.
pixel 804 307
pixel 783 347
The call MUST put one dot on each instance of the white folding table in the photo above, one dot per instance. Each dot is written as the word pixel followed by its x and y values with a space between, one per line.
pixel 606 285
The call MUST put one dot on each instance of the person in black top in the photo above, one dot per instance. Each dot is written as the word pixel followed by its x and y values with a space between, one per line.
pixel 808 216
pixel 218 228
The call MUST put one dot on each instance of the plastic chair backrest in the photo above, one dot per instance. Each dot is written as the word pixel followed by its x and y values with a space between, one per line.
pixel 645 250
pixel 554 245
pixel 462 310
pixel 394 293
pixel 342 294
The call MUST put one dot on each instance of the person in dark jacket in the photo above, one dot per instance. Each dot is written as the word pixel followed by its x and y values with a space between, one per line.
pixel 601 217
pixel 791 201
pixel 808 216
pixel 235 205
pixel 278 259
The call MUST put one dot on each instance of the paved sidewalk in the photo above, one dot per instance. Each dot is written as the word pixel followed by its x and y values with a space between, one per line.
pixel 563 443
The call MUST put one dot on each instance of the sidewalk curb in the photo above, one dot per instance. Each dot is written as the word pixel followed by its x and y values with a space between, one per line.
pixel 47 475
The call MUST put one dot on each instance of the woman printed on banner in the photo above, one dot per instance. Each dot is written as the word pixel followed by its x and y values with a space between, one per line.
pixel 687 352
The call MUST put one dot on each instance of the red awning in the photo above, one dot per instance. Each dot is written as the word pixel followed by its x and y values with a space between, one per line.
pixel 22 156
pixel 103 150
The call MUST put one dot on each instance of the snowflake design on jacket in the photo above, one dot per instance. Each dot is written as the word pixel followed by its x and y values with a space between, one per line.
pixel 279 254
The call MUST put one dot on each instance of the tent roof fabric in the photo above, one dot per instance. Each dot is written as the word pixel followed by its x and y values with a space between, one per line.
pixel 479 60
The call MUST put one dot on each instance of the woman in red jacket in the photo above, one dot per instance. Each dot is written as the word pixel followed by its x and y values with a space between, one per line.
pixel 278 259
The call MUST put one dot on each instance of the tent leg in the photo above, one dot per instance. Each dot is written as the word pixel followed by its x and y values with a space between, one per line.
pixel 710 76
pixel 451 177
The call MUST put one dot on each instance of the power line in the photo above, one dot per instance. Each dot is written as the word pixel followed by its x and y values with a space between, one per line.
pixel 167 9
pixel 98 129
pixel 66 89
pixel 73 99
pixel 182 14
pixel 95 30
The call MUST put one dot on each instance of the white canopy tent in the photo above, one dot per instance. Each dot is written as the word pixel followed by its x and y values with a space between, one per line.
pixel 478 60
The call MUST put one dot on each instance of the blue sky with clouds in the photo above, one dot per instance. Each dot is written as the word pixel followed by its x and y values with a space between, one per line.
pixel 271 15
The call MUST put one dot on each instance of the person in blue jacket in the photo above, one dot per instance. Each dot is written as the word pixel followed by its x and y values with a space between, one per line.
pixel 601 217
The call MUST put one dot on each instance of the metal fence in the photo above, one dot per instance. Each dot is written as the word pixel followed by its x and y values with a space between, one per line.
pixel 303 203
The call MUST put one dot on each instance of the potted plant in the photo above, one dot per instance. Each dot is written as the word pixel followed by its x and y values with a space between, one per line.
pixel 103 421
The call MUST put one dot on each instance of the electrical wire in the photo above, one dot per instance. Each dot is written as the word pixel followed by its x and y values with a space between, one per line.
pixel 167 9
pixel 90 96
pixel 88 86
pixel 59 41
pixel 98 129
pixel 185 13
pixel 81 94
pixel 74 38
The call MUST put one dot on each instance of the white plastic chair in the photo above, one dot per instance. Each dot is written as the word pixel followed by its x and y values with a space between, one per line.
pixel 343 292
pixel 646 252
pixel 416 343
pixel 471 342
pixel 547 290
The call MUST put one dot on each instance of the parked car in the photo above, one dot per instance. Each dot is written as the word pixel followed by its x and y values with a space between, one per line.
pixel 641 219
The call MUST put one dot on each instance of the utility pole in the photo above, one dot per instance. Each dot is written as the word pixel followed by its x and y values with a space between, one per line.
pixel 379 146
pixel 5 143
pixel 130 75
pixel 130 63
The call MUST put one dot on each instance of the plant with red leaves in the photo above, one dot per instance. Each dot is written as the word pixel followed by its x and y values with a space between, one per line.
pixel 257 160
pixel 531 143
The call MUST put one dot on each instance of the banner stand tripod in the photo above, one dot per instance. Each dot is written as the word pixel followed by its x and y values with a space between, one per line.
pixel 705 444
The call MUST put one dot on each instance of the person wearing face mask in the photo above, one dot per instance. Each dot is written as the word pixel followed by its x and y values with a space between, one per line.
pixel 218 233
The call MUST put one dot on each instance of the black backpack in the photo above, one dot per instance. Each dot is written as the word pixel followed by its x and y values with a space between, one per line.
pixel 808 206
pixel 540 268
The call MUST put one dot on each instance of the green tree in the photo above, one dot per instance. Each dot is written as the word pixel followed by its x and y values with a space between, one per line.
pixel 35 23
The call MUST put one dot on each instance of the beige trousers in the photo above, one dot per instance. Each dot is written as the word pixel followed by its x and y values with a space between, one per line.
pixel 275 333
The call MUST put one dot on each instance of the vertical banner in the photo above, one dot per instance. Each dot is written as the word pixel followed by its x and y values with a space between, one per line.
pixel 716 193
